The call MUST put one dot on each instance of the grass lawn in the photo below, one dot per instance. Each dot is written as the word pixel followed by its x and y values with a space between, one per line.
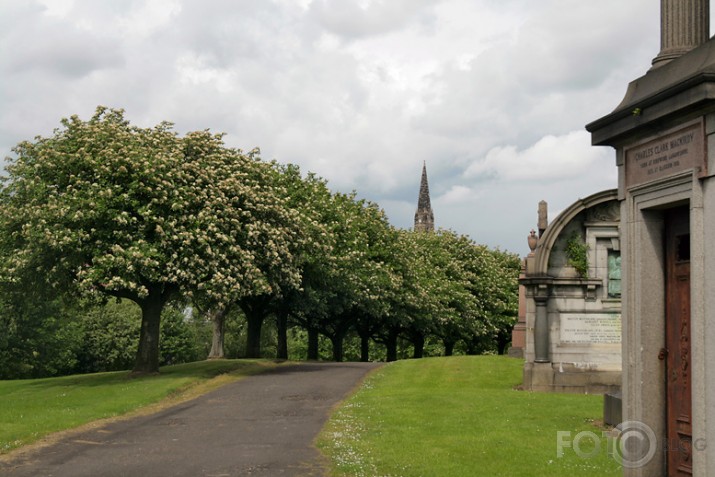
pixel 460 416
pixel 33 408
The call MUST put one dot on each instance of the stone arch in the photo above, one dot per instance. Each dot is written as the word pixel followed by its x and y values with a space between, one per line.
pixel 546 242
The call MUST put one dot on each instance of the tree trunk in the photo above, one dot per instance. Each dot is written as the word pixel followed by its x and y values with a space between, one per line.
pixel 147 360
pixel 218 318
pixel 448 347
pixel 254 320
pixel 282 330
pixel 419 342
pixel 312 344
pixel 337 341
pixel 391 345
pixel 364 348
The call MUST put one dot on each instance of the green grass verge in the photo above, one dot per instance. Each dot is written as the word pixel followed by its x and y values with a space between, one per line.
pixel 460 416
pixel 33 408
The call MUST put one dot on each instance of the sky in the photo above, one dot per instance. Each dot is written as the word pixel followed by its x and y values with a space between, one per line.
pixel 492 95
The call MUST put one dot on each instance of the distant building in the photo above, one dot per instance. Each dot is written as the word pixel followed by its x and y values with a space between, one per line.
pixel 424 217
pixel 572 285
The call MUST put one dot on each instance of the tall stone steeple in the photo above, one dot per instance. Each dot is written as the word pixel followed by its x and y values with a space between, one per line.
pixel 424 218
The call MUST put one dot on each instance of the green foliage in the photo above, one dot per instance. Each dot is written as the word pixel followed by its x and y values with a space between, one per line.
pixel 235 329
pixel 298 345
pixel 459 416
pixel 457 289
pixel 38 339
pixel 577 254
pixel 111 333
pixel 183 338
pixel 45 339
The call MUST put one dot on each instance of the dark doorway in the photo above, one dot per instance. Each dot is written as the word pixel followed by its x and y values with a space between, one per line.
pixel 677 343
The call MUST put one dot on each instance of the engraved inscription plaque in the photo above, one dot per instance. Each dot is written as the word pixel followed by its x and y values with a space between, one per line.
pixel 675 151
pixel 585 328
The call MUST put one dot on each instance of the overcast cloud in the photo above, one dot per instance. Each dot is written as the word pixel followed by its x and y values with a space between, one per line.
pixel 493 95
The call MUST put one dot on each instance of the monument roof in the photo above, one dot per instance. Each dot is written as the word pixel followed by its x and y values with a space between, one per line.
pixel 547 241
pixel 685 84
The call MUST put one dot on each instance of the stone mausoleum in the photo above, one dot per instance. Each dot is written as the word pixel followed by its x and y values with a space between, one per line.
pixel 663 133
pixel 572 285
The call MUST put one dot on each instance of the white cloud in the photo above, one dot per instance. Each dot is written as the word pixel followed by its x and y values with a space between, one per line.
pixel 552 159
pixel 356 19
pixel 57 8
pixel 149 18
pixel 193 70
pixel 457 194
pixel 49 45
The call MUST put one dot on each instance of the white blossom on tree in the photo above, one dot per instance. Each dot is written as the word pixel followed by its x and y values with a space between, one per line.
pixel 103 206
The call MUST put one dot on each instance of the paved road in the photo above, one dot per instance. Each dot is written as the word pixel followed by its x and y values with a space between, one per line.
pixel 261 426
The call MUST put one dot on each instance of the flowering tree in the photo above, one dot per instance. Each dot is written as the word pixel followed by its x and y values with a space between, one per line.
pixel 380 280
pixel 415 303
pixel 309 197
pixel 106 207
pixel 458 314
pixel 358 277
pixel 294 226
pixel 494 286
pixel 472 290
pixel 450 288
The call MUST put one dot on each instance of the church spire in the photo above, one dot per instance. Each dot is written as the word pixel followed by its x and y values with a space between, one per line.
pixel 424 218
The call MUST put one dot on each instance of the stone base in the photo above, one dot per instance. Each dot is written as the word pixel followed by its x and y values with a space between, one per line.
pixel 612 408
pixel 518 335
pixel 550 377
pixel 515 352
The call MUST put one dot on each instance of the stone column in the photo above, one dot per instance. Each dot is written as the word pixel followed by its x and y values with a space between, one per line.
pixel 541 326
pixel 543 221
pixel 684 24
pixel 518 333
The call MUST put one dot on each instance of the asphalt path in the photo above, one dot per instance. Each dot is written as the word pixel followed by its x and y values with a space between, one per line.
pixel 263 425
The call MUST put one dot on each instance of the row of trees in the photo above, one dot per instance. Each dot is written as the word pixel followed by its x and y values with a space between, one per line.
pixel 106 209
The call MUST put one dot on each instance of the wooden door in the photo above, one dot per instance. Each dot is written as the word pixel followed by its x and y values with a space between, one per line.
pixel 677 332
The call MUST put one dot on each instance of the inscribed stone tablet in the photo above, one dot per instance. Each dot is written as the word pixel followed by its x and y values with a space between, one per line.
pixel 590 328
pixel 675 151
